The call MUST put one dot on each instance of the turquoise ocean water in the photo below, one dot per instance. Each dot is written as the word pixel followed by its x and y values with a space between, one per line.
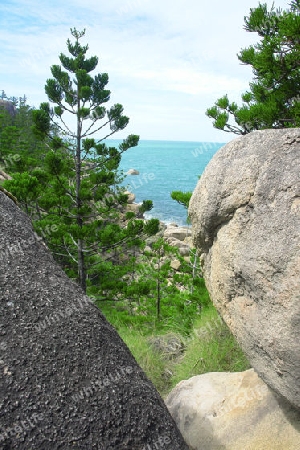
pixel 165 166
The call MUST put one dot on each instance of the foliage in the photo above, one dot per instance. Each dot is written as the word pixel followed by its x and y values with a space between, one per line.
pixel 136 306
pixel 183 198
pixel 273 98
pixel 19 148
pixel 149 285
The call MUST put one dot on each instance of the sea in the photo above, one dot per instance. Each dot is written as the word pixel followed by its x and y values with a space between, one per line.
pixel 165 166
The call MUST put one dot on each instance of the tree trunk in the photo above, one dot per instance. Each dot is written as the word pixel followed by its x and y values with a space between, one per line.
pixel 80 242
pixel 158 299
pixel 158 289
pixel 81 267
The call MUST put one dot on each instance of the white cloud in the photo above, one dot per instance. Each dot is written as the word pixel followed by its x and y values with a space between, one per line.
pixel 167 61
pixel 185 81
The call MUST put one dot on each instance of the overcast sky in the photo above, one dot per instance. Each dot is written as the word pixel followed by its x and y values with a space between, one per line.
pixel 167 60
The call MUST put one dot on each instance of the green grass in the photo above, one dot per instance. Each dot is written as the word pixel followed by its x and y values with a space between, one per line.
pixel 209 346
pixel 150 361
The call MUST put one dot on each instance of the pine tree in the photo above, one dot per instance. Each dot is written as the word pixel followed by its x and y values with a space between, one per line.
pixel 21 152
pixel 81 195
pixel 183 198
pixel 273 98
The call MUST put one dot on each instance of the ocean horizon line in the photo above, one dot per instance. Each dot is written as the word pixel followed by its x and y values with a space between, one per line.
pixel 170 140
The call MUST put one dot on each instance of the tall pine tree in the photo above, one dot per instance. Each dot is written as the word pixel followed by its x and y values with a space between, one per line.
pixel 81 195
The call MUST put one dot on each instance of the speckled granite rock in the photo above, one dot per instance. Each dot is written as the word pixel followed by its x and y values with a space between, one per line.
pixel 245 214
pixel 233 411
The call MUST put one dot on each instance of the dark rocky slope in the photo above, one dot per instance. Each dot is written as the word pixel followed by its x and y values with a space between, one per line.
pixel 67 379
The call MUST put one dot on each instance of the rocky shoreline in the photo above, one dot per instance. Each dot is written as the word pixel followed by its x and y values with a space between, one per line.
pixel 174 234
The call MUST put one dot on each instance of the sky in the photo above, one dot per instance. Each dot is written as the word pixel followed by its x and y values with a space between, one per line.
pixel 167 60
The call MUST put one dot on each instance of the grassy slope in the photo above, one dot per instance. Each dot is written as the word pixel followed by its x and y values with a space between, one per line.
pixel 208 347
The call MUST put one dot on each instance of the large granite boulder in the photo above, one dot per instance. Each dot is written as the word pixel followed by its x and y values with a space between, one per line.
pixel 245 214
pixel 67 379
pixel 233 411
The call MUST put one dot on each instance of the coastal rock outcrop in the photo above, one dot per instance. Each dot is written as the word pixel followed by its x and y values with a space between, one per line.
pixel 67 379
pixel 175 232
pixel 131 197
pixel 233 411
pixel 133 172
pixel 179 237
pixel 245 214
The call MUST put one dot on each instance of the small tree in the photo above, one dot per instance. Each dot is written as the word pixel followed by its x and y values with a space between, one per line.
pixel 157 272
pixel 273 98
pixel 183 198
